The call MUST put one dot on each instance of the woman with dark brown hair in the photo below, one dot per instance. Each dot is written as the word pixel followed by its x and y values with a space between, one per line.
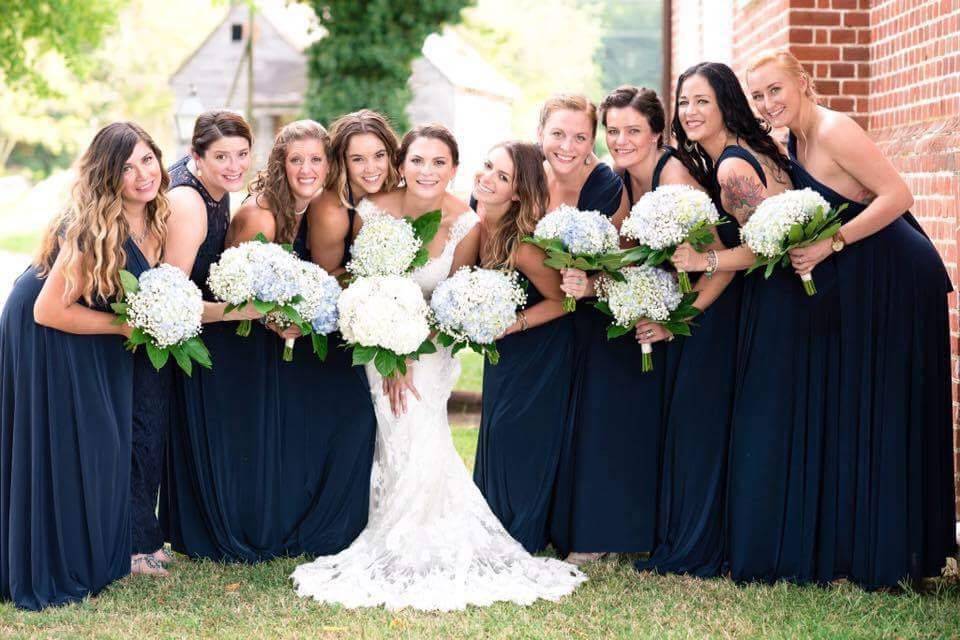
pixel 66 382
pixel 525 396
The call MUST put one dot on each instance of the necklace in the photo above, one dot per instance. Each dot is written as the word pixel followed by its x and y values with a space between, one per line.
pixel 302 211
pixel 139 237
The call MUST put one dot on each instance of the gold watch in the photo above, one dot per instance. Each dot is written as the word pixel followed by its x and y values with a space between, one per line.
pixel 838 242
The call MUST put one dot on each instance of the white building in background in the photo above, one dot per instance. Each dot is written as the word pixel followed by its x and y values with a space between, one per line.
pixel 451 84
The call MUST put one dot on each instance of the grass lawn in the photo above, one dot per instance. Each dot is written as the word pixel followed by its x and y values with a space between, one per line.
pixel 20 243
pixel 471 371
pixel 204 600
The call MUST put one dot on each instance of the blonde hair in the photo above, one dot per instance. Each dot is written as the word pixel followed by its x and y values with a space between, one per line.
pixel 271 182
pixel 789 63
pixel 91 232
pixel 344 128
pixel 569 102
pixel 533 197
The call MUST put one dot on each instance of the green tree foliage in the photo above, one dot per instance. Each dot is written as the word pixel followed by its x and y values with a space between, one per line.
pixel 631 51
pixel 30 30
pixel 364 58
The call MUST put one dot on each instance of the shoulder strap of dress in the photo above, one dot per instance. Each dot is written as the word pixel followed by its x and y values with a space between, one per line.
pixel 657 170
pixel 464 223
pixel 366 209
pixel 628 186
pixel 792 145
pixel 736 151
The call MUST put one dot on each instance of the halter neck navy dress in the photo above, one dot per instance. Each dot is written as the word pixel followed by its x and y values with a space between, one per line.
pixel 222 469
pixel 523 425
pixel 895 434
pixel 696 433
pixel 325 446
pixel 66 408
pixel 607 482
pixel 782 505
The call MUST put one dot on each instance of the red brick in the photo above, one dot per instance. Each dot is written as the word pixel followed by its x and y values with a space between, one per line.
pixel 856 19
pixel 816 53
pixel 843 36
pixel 844 4
pixel 840 104
pixel 828 87
pixel 842 70
pixel 815 18
pixel 855 88
pixel 855 54
pixel 803 4
pixel 801 36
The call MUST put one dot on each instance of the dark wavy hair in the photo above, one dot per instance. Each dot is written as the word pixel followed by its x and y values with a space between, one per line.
pixel 644 101
pixel 738 119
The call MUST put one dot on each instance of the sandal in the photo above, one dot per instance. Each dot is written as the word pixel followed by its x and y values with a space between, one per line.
pixel 147 565
pixel 163 556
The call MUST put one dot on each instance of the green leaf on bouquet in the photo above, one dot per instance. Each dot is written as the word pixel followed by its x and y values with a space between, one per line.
pixel 769 270
pixel 634 255
pixel 555 262
pixel 263 306
pixel 445 339
pixel 195 348
pixel 261 238
pixel 493 356
pixel 423 255
pixel 796 234
pixel 230 307
pixel 616 330
pixel 385 362
pixel 363 355
pixel 603 308
pixel 457 348
pixel 677 328
pixel 139 337
pixel 320 345
pixel 700 238
pixel 616 276
pixel 610 262
pixel 182 359
pixel 756 265
pixel 129 282
pixel 828 232
pixel 427 225
pixel 584 264
pixel 292 315
pixel 402 366
pixel 158 357
pixel 426 347
pixel 119 308
pixel 815 222
pixel 286 246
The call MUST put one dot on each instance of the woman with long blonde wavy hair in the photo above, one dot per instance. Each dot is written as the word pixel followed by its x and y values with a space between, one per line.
pixel 525 399
pixel 66 389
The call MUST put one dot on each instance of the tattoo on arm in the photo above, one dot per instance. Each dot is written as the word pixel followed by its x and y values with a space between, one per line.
pixel 865 196
pixel 740 195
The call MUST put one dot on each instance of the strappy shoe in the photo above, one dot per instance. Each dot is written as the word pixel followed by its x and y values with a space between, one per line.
pixel 578 558
pixel 163 556
pixel 147 565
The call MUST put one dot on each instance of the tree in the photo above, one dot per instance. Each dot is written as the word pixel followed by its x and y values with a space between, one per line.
pixel 364 59
pixel 30 30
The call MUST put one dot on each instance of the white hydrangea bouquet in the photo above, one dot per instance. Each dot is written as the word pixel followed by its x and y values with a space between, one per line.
pixel 665 218
pixel 792 219
pixel 584 240
pixel 260 273
pixel 164 308
pixel 385 320
pixel 319 292
pixel 473 307
pixel 646 293
pixel 388 246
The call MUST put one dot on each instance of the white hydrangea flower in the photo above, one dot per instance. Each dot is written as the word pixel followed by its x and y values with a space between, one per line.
pixel 230 278
pixel 168 306
pixel 769 225
pixel 319 293
pixel 666 216
pixel 582 232
pixel 384 246
pixel 384 311
pixel 647 292
pixel 477 304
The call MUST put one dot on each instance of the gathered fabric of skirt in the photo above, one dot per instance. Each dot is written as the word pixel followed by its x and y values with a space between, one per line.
pixel 431 541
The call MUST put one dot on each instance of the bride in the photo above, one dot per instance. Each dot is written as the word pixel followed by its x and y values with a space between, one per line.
pixel 431 541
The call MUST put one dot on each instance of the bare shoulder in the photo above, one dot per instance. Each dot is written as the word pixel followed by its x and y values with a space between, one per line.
pixel 186 202
pixel 326 207
pixel 389 201
pixel 529 256
pixel 838 132
pixel 675 173
pixel 453 206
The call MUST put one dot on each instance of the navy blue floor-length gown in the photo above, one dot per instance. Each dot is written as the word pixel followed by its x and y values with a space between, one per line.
pixel 66 405
pixel 326 442
pixel 606 492
pixel 781 501
pixel 698 400
pixel 895 473
pixel 523 426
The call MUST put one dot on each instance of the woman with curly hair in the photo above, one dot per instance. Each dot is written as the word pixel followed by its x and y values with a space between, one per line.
pixel 66 396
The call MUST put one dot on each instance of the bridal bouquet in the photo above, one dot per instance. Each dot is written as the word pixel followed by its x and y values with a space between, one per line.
pixel 790 220
pixel 473 307
pixel 646 293
pixel 165 308
pixel 317 307
pixel 384 319
pixel 260 273
pixel 585 240
pixel 388 246
pixel 665 218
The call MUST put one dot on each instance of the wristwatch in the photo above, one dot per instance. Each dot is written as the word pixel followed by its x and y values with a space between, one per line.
pixel 838 242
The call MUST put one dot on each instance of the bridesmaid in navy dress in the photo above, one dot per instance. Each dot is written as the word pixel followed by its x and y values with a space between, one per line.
pixel 66 382
pixel 317 463
pixel 780 502
pixel 525 396
pixel 606 491
pixel 895 482
pixel 212 503
pixel 694 459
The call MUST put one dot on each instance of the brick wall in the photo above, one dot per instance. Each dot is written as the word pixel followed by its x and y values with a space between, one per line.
pixel 893 65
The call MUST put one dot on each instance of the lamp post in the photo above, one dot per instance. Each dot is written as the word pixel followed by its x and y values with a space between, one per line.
pixel 185 117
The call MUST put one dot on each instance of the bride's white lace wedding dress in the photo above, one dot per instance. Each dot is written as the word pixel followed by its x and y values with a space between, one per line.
pixel 431 541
